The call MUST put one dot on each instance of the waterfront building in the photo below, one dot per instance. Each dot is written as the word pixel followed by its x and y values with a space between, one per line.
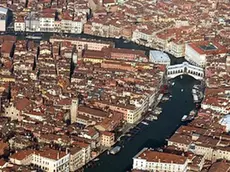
pixel 47 159
pixel 19 24
pixel 47 20
pixel 82 43
pixel 159 57
pixel 77 26
pixel 3 18
pixel 198 52
pixel 32 23
pixel 76 158
pixel 177 48
pixel 127 54
pixel 107 139
pixel 144 34
pixel 150 160
pixel 66 22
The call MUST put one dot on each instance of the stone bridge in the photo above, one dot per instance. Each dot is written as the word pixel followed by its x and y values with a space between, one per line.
pixel 185 69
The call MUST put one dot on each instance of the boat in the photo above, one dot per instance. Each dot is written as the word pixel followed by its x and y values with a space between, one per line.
pixel 173 83
pixel 165 98
pixel 96 159
pixel 145 123
pixel 182 90
pixel 33 37
pixel 181 77
pixel 160 97
pixel 196 87
pixel 184 118
pixel 126 41
pixel 115 150
pixel 128 134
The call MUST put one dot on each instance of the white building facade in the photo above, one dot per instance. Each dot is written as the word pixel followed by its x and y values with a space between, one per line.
pixel 159 57
pixel 150 160
pixel 3 19
pixel 19 26
pixel 194 57
pixel 47 23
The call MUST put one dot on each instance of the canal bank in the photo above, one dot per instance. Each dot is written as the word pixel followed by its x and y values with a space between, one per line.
pixel 119 43
pixel 155 133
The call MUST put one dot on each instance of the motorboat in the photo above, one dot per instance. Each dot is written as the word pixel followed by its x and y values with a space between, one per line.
pixel 145 123
pixel 115 150
pixel 184 118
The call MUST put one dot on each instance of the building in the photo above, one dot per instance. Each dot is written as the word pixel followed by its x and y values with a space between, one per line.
pixel 3 19
pixel 73 110
pixel 47 20
pixel 19 24
pixel 76 158
pixel 47 159
pixel 225 121
pixel 150 160
pixel 128 54
pixel 159 57
pixel 82 43
pixel 107 139
pixel 14 110
pixel 197 52
pixel 66 23
pixel 32 23
pixel 77 26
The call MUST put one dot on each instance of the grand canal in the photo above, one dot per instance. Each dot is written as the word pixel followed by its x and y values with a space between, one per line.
pixel 155 134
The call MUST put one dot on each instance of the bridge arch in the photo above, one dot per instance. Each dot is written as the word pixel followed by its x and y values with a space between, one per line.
pixel 185 69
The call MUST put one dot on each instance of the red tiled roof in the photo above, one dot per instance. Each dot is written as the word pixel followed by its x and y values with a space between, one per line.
pixel 196 46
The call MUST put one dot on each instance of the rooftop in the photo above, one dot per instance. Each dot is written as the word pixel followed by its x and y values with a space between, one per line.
pixel 153 156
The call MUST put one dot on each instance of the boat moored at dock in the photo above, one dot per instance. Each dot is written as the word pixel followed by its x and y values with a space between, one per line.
pixel 115 150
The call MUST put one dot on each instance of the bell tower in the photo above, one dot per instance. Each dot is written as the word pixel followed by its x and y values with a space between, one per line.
pixel 73 110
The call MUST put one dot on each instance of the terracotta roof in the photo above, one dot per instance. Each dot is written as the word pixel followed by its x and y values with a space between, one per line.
pixel 153 156
pixel 21 104
pixel 220 167
pixel 219 49
pixel 107 133
pixel 2 162
pixel 51 153
pixel 21 154
pixel 7 46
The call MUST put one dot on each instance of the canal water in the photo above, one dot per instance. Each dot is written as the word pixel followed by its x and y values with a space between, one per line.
pixel 119 43
pixel 154 134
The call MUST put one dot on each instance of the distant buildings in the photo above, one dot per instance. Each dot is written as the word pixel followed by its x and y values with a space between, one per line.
pixel 47 159
pixel 3 18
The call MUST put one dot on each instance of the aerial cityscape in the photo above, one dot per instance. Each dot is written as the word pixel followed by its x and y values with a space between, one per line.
pixel 115 85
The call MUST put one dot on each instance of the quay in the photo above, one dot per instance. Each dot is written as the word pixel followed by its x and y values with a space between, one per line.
pixel 156 133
